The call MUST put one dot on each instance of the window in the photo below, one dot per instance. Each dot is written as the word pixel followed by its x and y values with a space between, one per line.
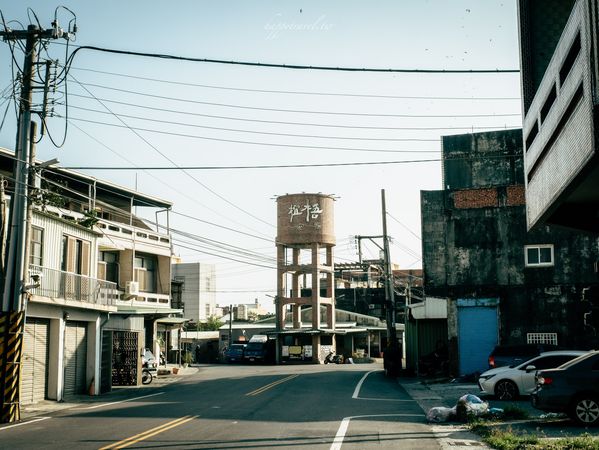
pixel 108 266
pixel 36 246
pixel 145 272
pixel 75 255
pixel 538 255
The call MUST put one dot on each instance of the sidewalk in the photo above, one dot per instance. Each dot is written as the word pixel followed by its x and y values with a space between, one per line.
pixel 118 393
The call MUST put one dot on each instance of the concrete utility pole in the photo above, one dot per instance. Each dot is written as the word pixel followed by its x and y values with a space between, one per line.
pixel 389 288
pixel 12 315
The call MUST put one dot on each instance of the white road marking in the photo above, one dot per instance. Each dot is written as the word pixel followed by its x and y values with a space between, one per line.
pixel 122 401
pixel 39 419
pixel 359 385
pixel 340 436
pixel 356 394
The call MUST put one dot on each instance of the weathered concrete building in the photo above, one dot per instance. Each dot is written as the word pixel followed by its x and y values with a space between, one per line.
pixel 504 284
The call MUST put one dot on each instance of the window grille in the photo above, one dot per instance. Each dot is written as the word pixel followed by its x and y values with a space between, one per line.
pixel 541 338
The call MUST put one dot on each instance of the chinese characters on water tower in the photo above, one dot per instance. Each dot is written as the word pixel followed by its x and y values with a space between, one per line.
pixel 312 211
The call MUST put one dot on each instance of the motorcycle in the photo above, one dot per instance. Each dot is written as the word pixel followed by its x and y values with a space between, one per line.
pixel 333 358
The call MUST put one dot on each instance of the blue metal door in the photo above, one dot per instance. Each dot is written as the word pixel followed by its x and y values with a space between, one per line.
pixel 477 327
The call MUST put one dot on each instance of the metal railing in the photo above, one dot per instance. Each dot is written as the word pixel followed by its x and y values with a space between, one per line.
pixel 58 284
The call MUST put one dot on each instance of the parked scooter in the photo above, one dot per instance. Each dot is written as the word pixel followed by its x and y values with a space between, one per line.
pixel 333 358
pixel 146 376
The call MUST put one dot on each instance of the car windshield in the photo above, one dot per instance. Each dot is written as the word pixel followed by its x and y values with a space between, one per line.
pixel 254 346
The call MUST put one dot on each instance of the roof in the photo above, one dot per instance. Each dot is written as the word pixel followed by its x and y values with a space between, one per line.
pixel 430 308
pixel 139 199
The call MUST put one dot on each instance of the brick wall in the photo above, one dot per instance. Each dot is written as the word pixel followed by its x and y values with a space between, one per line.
pixel 475 198
pixel 515 196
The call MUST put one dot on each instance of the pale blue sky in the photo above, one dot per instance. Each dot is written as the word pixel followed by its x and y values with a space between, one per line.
pixel 400 34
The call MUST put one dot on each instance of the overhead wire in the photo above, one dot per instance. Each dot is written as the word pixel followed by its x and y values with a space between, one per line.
pixel 273 91
pixel 295 111
pixel 172 161
pixel 279 122
pixel 237 141
pixel 237 130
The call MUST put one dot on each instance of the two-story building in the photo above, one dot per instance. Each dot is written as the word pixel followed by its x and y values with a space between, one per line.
pixel 103 285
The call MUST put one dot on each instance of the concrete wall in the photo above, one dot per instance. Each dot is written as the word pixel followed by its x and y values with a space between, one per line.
pixel 474 240
pixel 198 289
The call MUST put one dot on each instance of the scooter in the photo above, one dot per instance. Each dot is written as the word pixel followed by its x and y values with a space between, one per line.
pixel 333 358
pixel 146 376
pixel 146 373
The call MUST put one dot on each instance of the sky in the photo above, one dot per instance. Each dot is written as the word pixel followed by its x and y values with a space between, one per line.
pixel 128 111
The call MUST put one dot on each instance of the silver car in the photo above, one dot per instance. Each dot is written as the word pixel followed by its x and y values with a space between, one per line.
pixel 508 382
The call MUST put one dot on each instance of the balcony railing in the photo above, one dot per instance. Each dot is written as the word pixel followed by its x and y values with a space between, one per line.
pixel 57 284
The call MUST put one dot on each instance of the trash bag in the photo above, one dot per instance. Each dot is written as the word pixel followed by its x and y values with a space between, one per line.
pixel 440 414
pixel 470 405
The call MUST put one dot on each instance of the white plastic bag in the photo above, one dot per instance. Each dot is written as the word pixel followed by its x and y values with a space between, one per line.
pixel 440 414
pixel 471 404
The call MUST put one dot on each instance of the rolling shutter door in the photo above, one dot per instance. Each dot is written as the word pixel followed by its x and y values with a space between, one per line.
pixel 75 358
pixel 478 331
pixel 34 374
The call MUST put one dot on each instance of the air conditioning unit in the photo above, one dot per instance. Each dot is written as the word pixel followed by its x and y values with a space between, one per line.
pixel 131 289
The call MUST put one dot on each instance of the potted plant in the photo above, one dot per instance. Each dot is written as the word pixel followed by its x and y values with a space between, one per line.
pixel 186 358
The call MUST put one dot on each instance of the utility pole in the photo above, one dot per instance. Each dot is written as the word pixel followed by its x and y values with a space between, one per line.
pixel 389 288
pixel 12 314
pixel 392 355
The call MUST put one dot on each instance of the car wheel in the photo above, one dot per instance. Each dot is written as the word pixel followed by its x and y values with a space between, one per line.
pixel 506 390
pixel 585 410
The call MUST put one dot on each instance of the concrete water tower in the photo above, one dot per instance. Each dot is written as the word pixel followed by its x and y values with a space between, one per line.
pixel 305 241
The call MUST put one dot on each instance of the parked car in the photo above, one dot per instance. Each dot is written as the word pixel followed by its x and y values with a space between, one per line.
pixel 507 383
pixel 511 355
pixel 235 353
pixel 255 352
pixel 572 388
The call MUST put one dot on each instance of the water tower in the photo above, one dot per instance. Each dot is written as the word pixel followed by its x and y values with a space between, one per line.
pixel 305 241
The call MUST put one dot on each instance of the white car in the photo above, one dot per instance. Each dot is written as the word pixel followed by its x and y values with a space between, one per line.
pixel 506 383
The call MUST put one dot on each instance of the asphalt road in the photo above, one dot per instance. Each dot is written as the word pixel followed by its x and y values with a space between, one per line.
pixel 243 407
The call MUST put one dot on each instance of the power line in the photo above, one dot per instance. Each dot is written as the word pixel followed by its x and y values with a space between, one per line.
pixel 279 122
pixel 236 141
pixel 134 130
pixel 404 226
pixel 273 91
pixel 276 166
pixel 267 133
pixel 295 111
pixel 287 66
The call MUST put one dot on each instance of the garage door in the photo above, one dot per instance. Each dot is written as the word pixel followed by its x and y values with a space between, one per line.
pixel 34 374
pixel 75 354
pixel 478 331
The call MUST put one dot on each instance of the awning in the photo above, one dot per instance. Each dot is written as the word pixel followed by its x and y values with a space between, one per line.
pixel 127 309
pixel 172 320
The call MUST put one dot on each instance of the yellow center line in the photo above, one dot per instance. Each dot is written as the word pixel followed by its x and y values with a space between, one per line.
pixel 148 433
pixel 270 385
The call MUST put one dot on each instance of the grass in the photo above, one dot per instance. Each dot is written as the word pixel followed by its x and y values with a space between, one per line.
pixel 508 440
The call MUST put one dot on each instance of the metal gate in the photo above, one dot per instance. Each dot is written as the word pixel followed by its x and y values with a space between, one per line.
pixel 75 357
pixel 34 373
pixel 478 332
pixel 125 358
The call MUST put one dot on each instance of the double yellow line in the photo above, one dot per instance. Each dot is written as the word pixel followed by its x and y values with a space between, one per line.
pixel 271 385
pixel 149 433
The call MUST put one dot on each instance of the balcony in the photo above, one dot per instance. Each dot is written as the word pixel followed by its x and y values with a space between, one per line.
pixel 69 289
pixel 561 161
